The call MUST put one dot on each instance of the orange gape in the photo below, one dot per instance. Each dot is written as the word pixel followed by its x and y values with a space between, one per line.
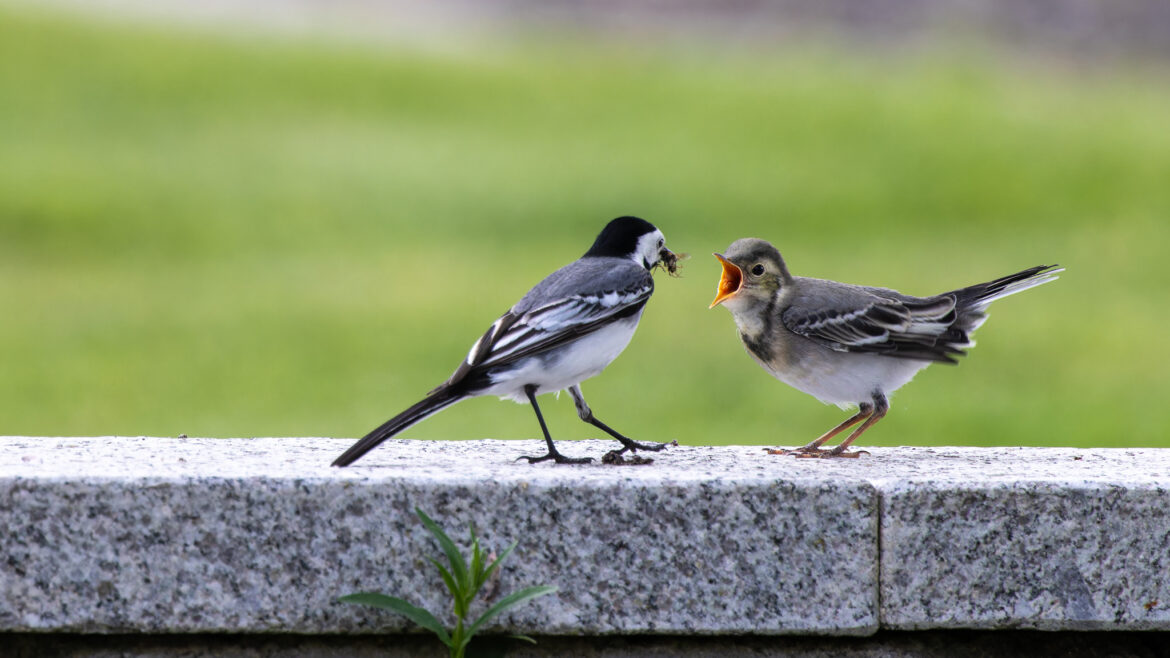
pixel 729 282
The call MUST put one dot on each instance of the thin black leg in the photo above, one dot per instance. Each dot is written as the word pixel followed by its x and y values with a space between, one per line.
pixel 586 414
pixel 629 443
pixel 530 391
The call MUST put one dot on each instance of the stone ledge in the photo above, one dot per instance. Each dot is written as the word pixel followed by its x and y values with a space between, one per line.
pixel 150 535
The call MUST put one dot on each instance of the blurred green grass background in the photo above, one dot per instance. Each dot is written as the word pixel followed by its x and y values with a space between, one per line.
pixel 227 236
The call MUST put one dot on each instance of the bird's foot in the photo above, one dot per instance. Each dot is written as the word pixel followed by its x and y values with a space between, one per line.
pixel 556 457
pixel 846 453
pixel 630 444
pixel 615 458
pixel 808 452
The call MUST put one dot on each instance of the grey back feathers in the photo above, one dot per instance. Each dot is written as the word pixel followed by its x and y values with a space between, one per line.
pixel 588 275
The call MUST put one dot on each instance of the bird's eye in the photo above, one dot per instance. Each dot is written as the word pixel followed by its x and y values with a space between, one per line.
pixel 661 243
pixel 758 269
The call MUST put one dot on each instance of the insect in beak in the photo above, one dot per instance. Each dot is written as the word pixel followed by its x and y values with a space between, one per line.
pixel 669 260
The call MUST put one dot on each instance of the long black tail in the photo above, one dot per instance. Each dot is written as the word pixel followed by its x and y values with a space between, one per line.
pixel 971 302
pixel 980 295
pixel 435 401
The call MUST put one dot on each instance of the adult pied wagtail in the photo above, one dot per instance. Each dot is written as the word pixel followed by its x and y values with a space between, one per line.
pixel 564 331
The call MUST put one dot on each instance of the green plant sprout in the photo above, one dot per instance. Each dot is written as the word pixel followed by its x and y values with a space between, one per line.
pixel 464 582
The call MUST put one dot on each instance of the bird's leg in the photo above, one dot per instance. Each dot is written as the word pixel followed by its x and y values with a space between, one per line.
pixel 586 414
pixel 530 391
pixel 864 410
pixel 880 407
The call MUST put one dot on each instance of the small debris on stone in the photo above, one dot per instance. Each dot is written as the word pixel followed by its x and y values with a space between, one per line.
pixel 615 458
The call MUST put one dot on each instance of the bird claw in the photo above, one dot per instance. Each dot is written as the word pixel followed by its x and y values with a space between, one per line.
pixel 631 444
pixel 556 457
pixel 850 455
pixel 816 453
pixel 795 452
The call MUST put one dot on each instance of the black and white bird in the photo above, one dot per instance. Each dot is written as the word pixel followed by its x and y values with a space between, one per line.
pixel 565 330
pixel 845 344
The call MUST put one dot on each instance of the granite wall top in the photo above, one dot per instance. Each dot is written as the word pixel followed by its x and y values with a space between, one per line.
pixel 161 535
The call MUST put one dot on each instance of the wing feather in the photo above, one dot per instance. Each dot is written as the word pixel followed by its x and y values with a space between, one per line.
pixel 517 335
pixel 862 320
pixel 558 322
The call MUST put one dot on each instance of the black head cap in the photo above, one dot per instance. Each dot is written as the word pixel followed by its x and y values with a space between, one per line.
pixel 620 236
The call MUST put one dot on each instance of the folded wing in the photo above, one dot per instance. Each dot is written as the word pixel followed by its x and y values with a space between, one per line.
pixel 860 320
pixel 515 336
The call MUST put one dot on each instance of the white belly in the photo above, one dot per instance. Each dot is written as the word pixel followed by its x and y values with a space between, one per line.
pixel 846 379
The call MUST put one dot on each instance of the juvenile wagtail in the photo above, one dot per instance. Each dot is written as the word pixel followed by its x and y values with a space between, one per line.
pixel 846 344
pixel 564 331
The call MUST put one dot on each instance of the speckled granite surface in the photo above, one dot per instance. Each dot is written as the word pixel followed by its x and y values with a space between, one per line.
pixel 260 535
pixel 1045 539
pixel 187 535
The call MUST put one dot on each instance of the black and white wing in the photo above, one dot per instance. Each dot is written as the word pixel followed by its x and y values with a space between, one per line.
pixel 855 319
pixel 550 316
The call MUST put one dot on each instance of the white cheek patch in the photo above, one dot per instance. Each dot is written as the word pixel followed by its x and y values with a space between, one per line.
pixel 647 250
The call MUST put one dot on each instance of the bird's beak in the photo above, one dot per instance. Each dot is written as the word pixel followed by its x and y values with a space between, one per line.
pixel 729 283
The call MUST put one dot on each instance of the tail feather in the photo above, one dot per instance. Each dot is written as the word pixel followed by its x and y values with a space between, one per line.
pixel 435 401
pixel 979 296
pixel 971 302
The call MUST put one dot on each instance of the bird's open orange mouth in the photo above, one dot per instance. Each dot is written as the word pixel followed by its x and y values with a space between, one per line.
pixel 729 283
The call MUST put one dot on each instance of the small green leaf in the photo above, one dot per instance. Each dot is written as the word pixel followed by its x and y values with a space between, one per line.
pixel 471 586
pixel 477 574
pixel 448 579
pixel 395 604
pixel 523 638
pixel 510 601
pixel 458 564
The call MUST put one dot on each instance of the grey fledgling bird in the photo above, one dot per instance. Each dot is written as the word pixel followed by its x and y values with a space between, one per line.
pixel 565 330
pixel 846 344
